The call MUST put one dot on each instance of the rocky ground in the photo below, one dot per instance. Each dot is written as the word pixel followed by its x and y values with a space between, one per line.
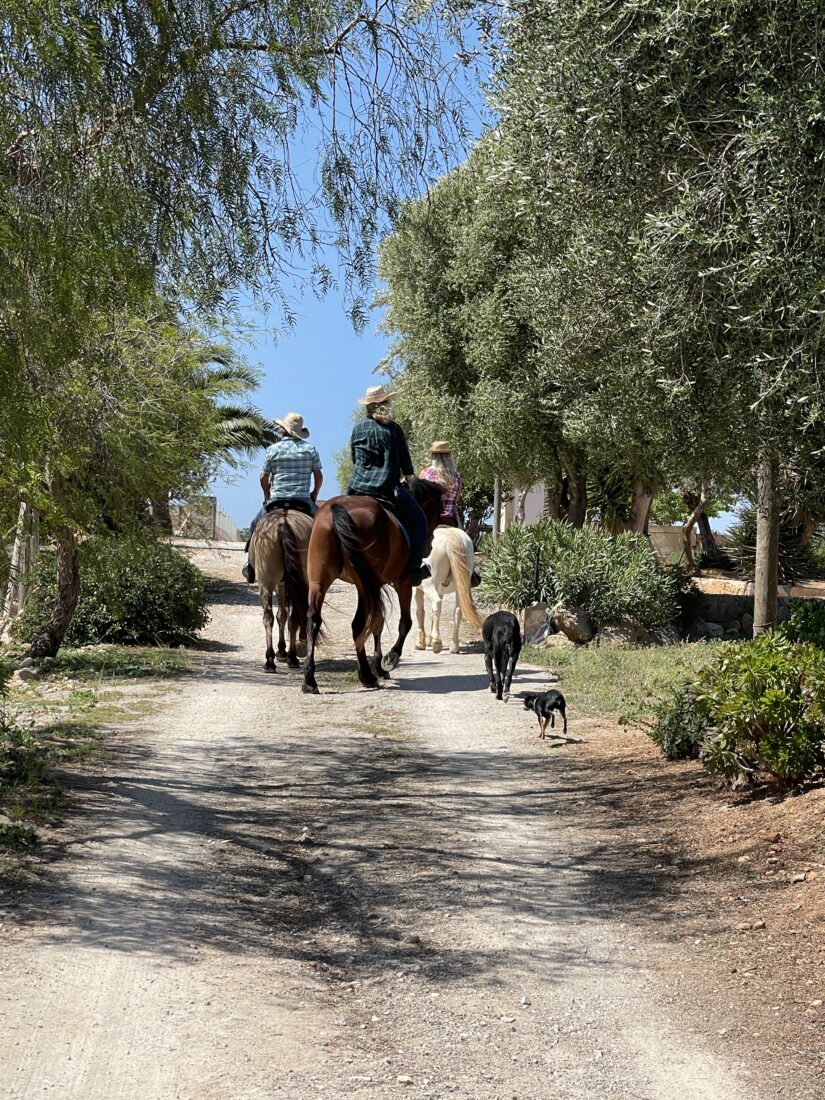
pixel 368 895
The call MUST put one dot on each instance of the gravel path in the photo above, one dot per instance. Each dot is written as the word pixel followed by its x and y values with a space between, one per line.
pixel 353 895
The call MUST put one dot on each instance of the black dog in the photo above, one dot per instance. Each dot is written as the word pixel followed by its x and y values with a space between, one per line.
pixel 543 706
pixel 502 644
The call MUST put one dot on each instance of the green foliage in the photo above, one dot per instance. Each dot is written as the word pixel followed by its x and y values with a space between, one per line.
pixel 613 577
pixel 806 623
pixel 766 702
pixel 794 559
pixel 134 591
pixel 680 728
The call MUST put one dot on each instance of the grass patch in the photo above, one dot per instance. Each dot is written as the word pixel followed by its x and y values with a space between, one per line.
pixel 119 662
pixel 622 683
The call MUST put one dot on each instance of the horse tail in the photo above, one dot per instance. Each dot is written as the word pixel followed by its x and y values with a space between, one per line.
pixel 372 591
pixel 461 581
pixel 295 586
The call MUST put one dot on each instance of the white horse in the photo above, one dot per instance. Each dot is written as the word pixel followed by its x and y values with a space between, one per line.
pixel 451 562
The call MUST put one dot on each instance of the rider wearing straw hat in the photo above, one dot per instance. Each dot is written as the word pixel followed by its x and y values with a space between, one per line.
pixel 381 459
pixel 442 470
pixel 289 466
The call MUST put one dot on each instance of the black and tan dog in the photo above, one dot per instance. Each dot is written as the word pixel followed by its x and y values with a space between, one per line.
pixel 543 706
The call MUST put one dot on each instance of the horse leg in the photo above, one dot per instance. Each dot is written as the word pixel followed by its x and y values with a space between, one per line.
pixel 365 673
pixel 316 603
pixel 292 654
pixel 377 664
pixel 302 640
pixel 282 617
pixel 438 601
pixel 456 625
pixel 404 590
pixel 269 619
pixel 420 614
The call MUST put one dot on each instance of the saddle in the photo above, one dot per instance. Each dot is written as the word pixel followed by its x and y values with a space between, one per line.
pixel 289 502
pixel 389 507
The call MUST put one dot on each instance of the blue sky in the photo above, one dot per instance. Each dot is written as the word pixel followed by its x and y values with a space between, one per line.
pixel 319 370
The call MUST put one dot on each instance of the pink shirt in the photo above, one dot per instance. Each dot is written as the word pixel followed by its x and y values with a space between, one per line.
pixel 448 500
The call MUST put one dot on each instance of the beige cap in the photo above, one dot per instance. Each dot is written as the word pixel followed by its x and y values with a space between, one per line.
pixel 441 447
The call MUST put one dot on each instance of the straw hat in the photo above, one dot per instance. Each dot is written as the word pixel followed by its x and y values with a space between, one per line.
pixel 441 447
pixel 375 395
pixel 293 424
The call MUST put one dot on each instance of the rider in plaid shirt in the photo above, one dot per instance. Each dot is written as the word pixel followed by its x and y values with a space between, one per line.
pixel 290 464
pixel 380 458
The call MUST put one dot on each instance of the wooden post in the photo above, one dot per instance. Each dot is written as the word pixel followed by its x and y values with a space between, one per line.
pixel 766 573
pixel 497 508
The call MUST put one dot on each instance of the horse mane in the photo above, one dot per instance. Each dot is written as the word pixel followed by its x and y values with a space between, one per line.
pixel 424 490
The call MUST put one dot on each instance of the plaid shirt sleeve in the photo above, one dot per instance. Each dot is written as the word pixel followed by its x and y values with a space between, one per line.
pixel 404 453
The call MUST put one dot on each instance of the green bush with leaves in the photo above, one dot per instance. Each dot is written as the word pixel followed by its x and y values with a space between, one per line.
pixel 806 623
pixel 613 577
pixel 766 703
pixel 795 560
pixel 135 590
pixel 680 727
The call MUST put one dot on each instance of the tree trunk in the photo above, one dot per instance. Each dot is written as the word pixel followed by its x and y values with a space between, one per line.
pixel 643 493
pixel 552 500
pixel 766 575
pixel 576 494
pixel 497 508
pixel 68 589
pixel 687 530
pixel 161 516
pixel 521 505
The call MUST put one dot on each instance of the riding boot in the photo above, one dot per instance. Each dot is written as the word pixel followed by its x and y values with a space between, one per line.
pixel 419 573
pixel 248 572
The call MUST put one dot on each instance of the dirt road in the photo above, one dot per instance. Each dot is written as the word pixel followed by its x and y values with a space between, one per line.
pixel 359 895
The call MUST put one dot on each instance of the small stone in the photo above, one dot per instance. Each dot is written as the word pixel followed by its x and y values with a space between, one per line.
pixel 27 674
pixel 744 926
pixel 758 924
pixel 772 838
pixel 507 1019
pixel 404 1079
pixel 799 877
pixel 27 662
pixel 744 859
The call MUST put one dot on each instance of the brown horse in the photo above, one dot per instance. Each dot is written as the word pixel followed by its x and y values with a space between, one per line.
pixel 357 539
pixel 278 552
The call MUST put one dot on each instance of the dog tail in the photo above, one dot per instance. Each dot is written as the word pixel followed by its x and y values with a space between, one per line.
pixel 371 589
pixel 461 572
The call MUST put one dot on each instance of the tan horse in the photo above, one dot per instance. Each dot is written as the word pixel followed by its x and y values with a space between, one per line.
pixel 278 553
pixel 451 564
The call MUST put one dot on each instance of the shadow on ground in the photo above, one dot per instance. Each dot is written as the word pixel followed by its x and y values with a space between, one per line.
pixel 209 852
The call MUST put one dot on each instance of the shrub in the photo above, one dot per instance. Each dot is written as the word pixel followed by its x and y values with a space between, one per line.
pixel 134 590
pixel 680 727
pixel 613 577
pixel 795 561
pixel 806 623
pixel 766 702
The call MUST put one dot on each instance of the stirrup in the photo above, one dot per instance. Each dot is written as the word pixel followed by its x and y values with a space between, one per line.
pixel 248 572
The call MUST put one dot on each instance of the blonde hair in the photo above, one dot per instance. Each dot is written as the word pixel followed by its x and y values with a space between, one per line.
pixel 446 472
pixel 382 414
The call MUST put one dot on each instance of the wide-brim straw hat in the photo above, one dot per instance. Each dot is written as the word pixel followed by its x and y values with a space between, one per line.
pixel 441 447
pixel 375 395
pixel 293 424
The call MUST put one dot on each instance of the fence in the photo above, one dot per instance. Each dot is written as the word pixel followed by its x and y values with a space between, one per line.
pixel 203 518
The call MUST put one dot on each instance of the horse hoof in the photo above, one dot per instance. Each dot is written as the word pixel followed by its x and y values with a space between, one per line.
pixel 302 649
pixel 371 687
pixel 282 655
pixel 420 645
pixel 438 645
pixel 390 662
pixel 270 668
pixel 310 689
pixel 454 649
pixel 292 662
